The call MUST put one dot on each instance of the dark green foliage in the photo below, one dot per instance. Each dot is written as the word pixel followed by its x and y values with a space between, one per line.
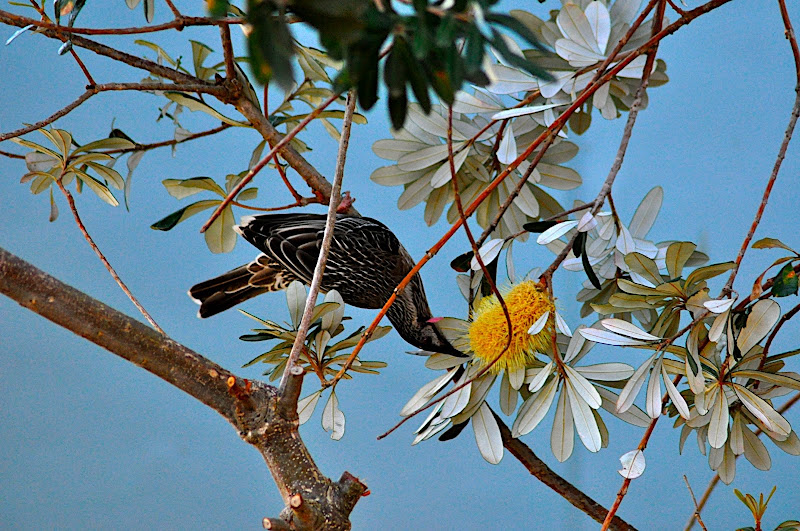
pixel 430 48
pixel 785 283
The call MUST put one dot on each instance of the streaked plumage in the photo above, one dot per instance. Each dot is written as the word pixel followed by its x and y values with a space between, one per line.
pixel 365 263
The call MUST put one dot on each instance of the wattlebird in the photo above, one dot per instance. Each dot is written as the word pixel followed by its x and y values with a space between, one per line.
pixel 365 263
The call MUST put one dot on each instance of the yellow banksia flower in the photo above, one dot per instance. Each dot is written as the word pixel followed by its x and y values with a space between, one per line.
pixel 526 303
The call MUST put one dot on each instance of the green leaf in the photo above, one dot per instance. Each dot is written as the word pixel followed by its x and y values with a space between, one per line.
pixel 109 174
pixel 220 236
pixel 772 243
pixel 183 214
pixel 98 188
pixel 36 147
pixel 180 188
pixel 105 143
pixel 539 226
pixel 194 104
pixel 709 271
pixel 677 255
pixel 785 283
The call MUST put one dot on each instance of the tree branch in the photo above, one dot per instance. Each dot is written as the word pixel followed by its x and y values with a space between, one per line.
pixel 250 406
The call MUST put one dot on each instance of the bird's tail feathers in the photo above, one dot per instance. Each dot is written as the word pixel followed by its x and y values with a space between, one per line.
pixel 236 286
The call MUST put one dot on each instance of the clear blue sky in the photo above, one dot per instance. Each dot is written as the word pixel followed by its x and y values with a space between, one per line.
pixel 90 441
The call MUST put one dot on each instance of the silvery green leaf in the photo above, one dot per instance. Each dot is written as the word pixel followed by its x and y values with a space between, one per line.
pixel 653 396
pixel 677 255
pixel 625 242
pixel 645 267
pixel 790 445
pixel 609 338
pixel 778 379
pixel 718 326
pixel 736 438
pixel 727 469
pixel 295 301
pixel 606 372
pixel 416 192
pixel 194 104
pixel 719 305
pixel 702 439
pixel 685 431
pixel 425 393
pixel 677 399
pixel 537 381
pixel 508 396
pixel 440 361
pixel 577 55
pixel 558 177
pixel 455 403
pixel 762 411
pixel 707 272
pixel 600 22
pixel 576 344
pixel 627 329
pixel 469 104
pixel 393 149
pixel 523 111
pixel 755 451
pixel 763 316
pixel 631 389
pixel 321 342
pixel 556 231
pixel 394 176
pixel 510 270
pixel 539 324
pixel 562 326
pixel 646 213
pixel 430 418
pixel 487 434
pixel 718 427
pixel 583 387
pixel 99 189
pixel 306 406
pixel 587 222
pixel 149 10
pixel 633 464
pixel 507 150
pixel 332 319
pixel 715 457
pixel 53 207
pixel 624 11
pixel 508 80
pixel 488 252
pixel 443 175
pixel 562 438
pixel 583 418
pixel 333 417
pixel 516 378
pixel 633 415
pixel 480 388
pixel 431 431
pixel 533 410
pixel 424 158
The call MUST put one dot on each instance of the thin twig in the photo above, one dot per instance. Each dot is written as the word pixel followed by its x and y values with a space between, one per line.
pixel 781 152
pixel 174 9
pixel 95 89
pixel 176 24
pixel 715 480
pixel 263 162
pixel 85 70
pixel 784 318
pixel 341 157
pixel 172 142
pixel 694 501
pixel 11 155
pixel 103 259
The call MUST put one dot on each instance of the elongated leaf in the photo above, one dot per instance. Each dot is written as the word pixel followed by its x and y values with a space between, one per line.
pixel 296 300
pixel 653 397
pixel 508 396
pixel 762 411
pixel 562 438
pixel 426 392
pixel 755 451
pixel 771 243
pixel 533 410
pixel 487 434
pixel 627 329
pixel 583 387
pixel 220 236
pixel 537 381
pixel 710 271
pixel 677 255
pixel 609 338
pixel 631 389
pixel 583 419
pixel 763 316
pixel 183 214
pixel 455 403
pixel 677 399
pixel 556 231
pixel 488 252
pixel 306 406
pixel 333 418
pixel 606 372
pixel 646 213
pixel 645 267
pixel 718 427
pixel 194 104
